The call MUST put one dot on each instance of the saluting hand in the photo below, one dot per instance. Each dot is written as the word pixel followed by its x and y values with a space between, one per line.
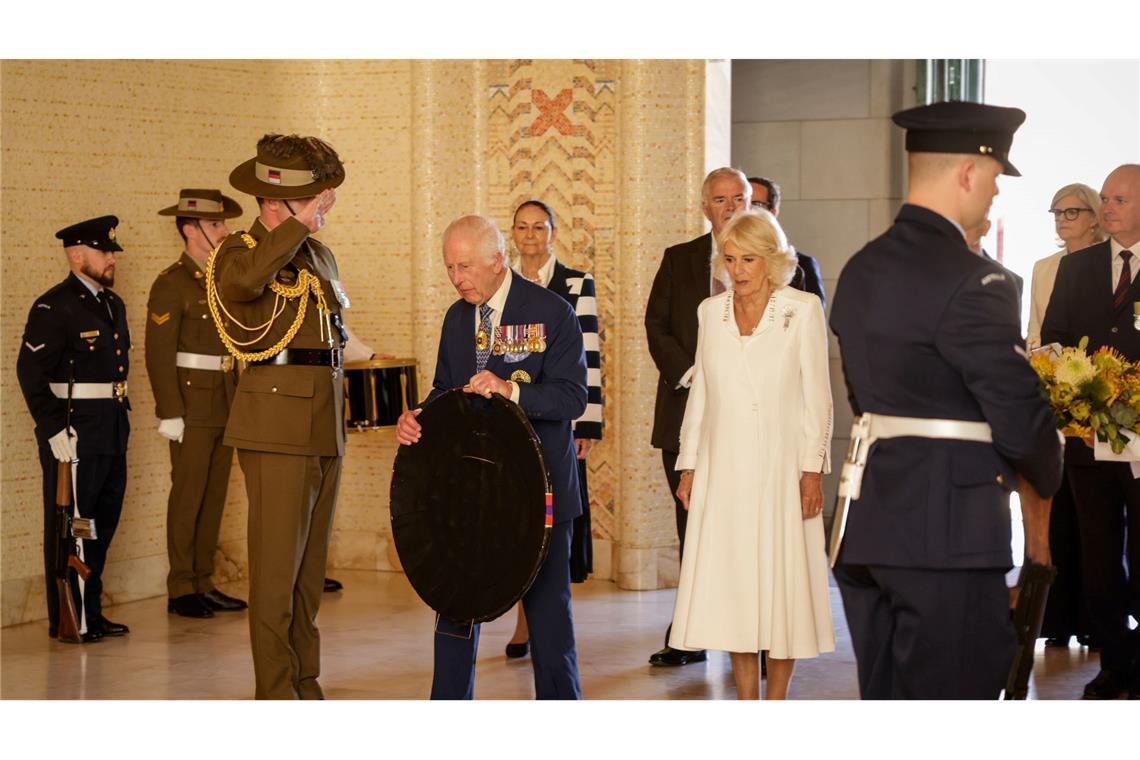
pixel 408 430
pixel 811 494
pixel 312 213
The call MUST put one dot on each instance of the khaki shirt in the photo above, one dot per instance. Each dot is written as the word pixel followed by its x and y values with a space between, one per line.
pixel 285 409
pixel 178 321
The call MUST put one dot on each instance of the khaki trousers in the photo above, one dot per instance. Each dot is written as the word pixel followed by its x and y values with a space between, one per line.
pixel 291 504
pixel 200 475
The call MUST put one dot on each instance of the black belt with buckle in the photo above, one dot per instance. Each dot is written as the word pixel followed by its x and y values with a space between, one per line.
pixel 308 357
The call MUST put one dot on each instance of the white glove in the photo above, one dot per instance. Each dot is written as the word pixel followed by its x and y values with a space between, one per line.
pixel 64 445
pixel 172 429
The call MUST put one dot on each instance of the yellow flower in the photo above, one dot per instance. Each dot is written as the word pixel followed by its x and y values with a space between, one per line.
pixel 1080 410
pixel 1074 368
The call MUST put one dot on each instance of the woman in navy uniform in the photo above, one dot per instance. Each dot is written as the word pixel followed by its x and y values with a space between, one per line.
pixel 534 231
pixel 930 336
pixel 77 333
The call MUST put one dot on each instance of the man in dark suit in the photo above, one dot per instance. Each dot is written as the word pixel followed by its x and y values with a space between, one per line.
pixel 684 279
pixel 1096 295
pixel 929 333
pixel 77 345
pixel 766 195
pixel 549 385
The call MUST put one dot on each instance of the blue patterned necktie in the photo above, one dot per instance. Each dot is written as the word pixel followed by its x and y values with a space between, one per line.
pixel 483 353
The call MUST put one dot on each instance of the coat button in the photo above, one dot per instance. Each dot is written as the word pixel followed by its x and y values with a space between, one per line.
pixel 1115 330
pixel 204 316
pixel 120 368
pixel 275 389
pixel 91 348
pixel 118 352
pixel 187 382
pixel 1000 479
pixel 116 336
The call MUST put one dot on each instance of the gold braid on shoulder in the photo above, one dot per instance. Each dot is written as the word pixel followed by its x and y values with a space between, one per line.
pixel 306 283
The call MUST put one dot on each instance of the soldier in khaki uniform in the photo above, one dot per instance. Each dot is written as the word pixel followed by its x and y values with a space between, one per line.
pixel 275 295
pixel 193 378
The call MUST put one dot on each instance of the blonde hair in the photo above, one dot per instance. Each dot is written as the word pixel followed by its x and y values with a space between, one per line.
pixel 1091 199
pixel 757 232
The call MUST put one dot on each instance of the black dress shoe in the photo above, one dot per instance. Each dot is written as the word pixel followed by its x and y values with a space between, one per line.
pixel 1106 685
pixel 671 656
pixel 107 628
pixel 515 651
pixel 91 636
pixel 216 600
pixel 189 605
pixel 332 584
pixel 1058 641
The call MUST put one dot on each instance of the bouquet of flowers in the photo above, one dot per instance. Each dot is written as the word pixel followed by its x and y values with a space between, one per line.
pixel 1091 394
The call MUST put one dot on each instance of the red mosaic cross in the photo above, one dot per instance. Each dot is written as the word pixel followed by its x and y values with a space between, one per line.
pixel 550 112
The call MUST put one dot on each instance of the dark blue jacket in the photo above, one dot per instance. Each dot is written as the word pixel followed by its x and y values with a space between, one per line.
pixel 929 329
pixel 556 392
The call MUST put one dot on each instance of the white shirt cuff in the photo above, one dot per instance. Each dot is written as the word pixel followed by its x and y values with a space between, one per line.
pixel 687 378
pixel 514 391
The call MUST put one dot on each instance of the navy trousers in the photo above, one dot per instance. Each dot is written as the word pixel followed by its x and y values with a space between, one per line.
pixel 553 654
pixel 928 634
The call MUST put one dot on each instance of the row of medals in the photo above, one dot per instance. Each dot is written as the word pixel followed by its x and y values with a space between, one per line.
pixel 534 342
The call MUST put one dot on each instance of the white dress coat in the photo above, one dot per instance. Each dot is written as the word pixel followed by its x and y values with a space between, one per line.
pixel 754 574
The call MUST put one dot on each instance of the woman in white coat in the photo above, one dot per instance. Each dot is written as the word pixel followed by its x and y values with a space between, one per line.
pixel 754 444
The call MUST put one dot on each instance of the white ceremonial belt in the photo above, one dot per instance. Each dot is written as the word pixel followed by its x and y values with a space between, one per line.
pixel 204 361
pixel 869 428
pixel 90 390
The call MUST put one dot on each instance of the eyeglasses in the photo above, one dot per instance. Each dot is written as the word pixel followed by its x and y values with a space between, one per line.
pixel 1070 213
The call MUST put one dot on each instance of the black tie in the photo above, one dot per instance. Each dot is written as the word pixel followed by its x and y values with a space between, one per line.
pixel 101 297
pixel 1124 283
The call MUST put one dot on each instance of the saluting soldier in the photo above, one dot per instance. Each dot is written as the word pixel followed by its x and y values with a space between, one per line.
pixel 193 378
pixel 930 335
pixel 76 345
pixel 275 294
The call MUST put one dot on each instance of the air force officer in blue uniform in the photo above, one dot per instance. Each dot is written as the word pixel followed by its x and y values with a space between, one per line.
pixel 550 387
pixel 929 333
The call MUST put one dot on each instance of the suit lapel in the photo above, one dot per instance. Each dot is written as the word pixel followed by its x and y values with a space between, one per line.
pixel 702 270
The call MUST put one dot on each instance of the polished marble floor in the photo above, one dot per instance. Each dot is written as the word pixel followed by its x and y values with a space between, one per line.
pixel 376 641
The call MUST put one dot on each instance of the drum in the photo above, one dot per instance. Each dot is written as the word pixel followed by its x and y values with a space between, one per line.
pixel 471 506
pixel 378 391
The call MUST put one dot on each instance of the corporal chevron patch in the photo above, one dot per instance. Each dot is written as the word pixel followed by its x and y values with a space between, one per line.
pixel 160 319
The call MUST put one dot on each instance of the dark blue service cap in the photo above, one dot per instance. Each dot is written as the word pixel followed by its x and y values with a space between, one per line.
pixel 959 127
pixel 97 233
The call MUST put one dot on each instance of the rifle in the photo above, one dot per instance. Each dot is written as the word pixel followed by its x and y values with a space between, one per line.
pixel 1032 592
pixel 67 531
